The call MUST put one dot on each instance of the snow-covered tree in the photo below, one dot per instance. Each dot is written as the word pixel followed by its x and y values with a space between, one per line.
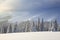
pixel 10 28
pixel 55 25
pixel 33 26
pixel 42 26
pixel 28 27
pixel 51 26
pixel 15 27
pixel 25 28
pixel 38 25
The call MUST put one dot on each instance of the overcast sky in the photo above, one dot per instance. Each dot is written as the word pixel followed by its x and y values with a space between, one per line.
pixel 30 9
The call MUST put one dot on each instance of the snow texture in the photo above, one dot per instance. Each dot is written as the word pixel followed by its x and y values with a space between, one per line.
pixel 31 36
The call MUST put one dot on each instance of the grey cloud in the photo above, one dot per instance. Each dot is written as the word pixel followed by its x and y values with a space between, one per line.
pixel 34 4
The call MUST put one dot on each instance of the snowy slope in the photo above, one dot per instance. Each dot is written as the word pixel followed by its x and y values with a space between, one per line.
pixel 31 36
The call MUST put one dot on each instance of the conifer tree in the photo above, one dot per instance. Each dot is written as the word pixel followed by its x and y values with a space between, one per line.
pixel 28 27
pixel 42 25
pixel 55 25
pixel 38 25
pixel 10 29
pixel 15 27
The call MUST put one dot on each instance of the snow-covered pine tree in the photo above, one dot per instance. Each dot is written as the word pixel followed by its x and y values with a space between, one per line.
pixel 51 26
pixel 38 25
pixel 28 27
pixel 25 28
pixel 10 28
pixel 42 25
pixel 34 27
pixel 55 25
pixel 15 27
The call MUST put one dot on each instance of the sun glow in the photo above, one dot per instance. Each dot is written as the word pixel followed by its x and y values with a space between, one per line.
pixel 5 7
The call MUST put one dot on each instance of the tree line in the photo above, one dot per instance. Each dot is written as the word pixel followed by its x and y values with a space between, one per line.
pixel 30 26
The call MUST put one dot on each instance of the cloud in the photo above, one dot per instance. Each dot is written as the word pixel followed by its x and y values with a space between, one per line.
pixel 25 5
pixel 20 16
pixel 32 18
pixel 6 6
pixel 23 9
pixel 51 19
pixel 36 4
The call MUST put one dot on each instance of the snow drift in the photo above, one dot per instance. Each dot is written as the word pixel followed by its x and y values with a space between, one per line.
pixel 31 36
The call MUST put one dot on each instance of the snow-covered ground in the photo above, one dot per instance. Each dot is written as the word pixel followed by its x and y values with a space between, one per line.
pixel 31 36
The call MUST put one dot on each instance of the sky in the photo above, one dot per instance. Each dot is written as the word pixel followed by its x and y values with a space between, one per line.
pixel 21 10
